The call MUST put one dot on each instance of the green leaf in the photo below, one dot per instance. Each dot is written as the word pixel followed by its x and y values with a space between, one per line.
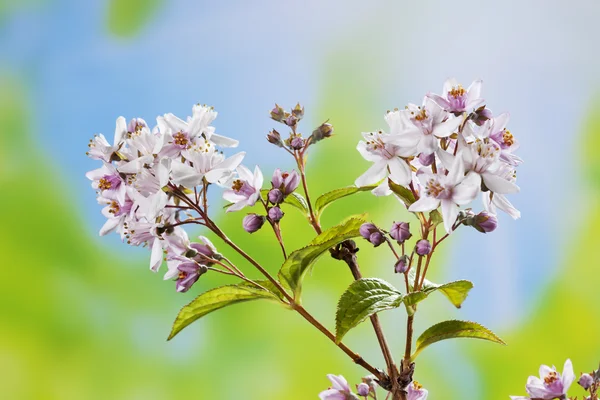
pixel 413 298
pixel 436 218
pixel 215 299
pixel 456 291
pixel 362 299
pixel 327 198
pixel 454 329
pixel 406 195
pixel 300 261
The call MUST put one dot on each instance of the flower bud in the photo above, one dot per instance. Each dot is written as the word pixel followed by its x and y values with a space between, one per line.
pixel 253 222
pixel 297 143
pixel 275 214
pixel 298 112
pixel 400 231
pixel 370 232
pixel 423 247
pixel 278 113
pixel 325 130
pixel 481 115
pixel 275 196
pixel 362 389
pixel 586 381
pixel 370 380
pixel 275 138
pixel 426 159
pixel 290 120
pixel 401 265
pixel 284 181
pixel 484 222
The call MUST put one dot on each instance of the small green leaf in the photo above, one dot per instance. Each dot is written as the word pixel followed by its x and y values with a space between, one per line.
pixel 215 299
pixel 300 261
pixel 436 218
pixel 454 329
pixel 413 298
pixel 362 299
pixel 406 195
pixel 327 198
pixel 456 291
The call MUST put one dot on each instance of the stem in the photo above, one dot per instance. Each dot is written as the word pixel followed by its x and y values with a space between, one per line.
pixel 276 229
pixel 313 219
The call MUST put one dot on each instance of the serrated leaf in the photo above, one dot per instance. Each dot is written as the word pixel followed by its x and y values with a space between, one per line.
pixel 300 261
pixel 327 198
pixel 215 299
pixel 405 194
pixel 456 292
pixel 363 298
pixel 453 329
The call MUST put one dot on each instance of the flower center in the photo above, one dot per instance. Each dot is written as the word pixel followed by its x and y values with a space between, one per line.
pixel 551 378
pixel 114 208
pixel 457 91
pixel 285 175
pixel 104 184
pixel 180 139
pixel 508 138
pixel 237 185
pixel 182 275
pixel 421 115
pixel 486 148
pixel 434 188
pixel 417 385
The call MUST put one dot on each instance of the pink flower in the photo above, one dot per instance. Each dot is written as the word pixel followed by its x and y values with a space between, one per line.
pixel 339 391
pixel 456 99
pixel 550 384
pixel 416 391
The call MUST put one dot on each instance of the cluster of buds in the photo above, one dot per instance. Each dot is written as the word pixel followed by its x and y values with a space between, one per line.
pixel 283 184
pixel 296 142
pixel 446 151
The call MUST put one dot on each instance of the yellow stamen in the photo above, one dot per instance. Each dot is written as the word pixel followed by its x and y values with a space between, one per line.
pixel 103 184
pixel 457 91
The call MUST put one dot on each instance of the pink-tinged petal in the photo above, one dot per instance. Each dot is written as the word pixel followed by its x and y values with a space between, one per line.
pixel 185 175
pixel 232 162
pixel 442 102
pixel 449 214
pixel 427 145
pixel 488 205
pixel 498 184
pixel 120 130
pixel 446 158
pixel 331 394
pixel 162 171
pixel 568 376
pixel 339 382
pixel 383 189
pixel 474 90
pixel 535 387
pixel 244 173
pixel 258 179
pixel 175 123
pixel 500 122
pixel 520 398
pixel 467 190
pixel 400 171
pixel 448 127
pixel 157 255
pixel 474 104
pixel 424 204
pixel 374 174
pixel 457 170
pixel 231 196
pixel 158 201
pixel 134 166
pixel 223 141
pixel 109 226
pixel 236 206
pixel 502 203
pixel 367 155
pixel 435 112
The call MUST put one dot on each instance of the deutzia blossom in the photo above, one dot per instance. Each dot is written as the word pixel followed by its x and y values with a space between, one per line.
pixel 339 391
pixel 204 161
pixel 456 99
pixel 245 191
pixel 416 391
pixel 450 191
pixel 550 384
pixel 100 149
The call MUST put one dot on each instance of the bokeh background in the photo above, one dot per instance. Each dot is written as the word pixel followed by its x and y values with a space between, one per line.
pixel 81 317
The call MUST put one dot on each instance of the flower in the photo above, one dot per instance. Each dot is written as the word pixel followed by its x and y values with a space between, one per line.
pixel 189 272
pixel 491 200
pixel 245 190
pixel 449 191
pixel 400 231
pixel 253 222
pixel 285 182
pixel 550 384
pixel 416 391
pixel 339 391
pixel 456 99
pixel 100 149
pixel 387 160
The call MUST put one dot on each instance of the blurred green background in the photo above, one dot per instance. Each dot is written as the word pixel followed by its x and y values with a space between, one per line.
pixel 83 318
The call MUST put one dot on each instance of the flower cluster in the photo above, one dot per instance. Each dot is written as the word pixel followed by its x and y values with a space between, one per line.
pixel 446 151
pixel 150 180
pixel 367 389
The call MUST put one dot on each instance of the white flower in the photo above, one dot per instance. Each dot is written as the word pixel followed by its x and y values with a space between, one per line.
pixel 491 200
pixel 456 99
pixel 387 160
pixel 244 191
pixel 450 191
pixel 100 149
